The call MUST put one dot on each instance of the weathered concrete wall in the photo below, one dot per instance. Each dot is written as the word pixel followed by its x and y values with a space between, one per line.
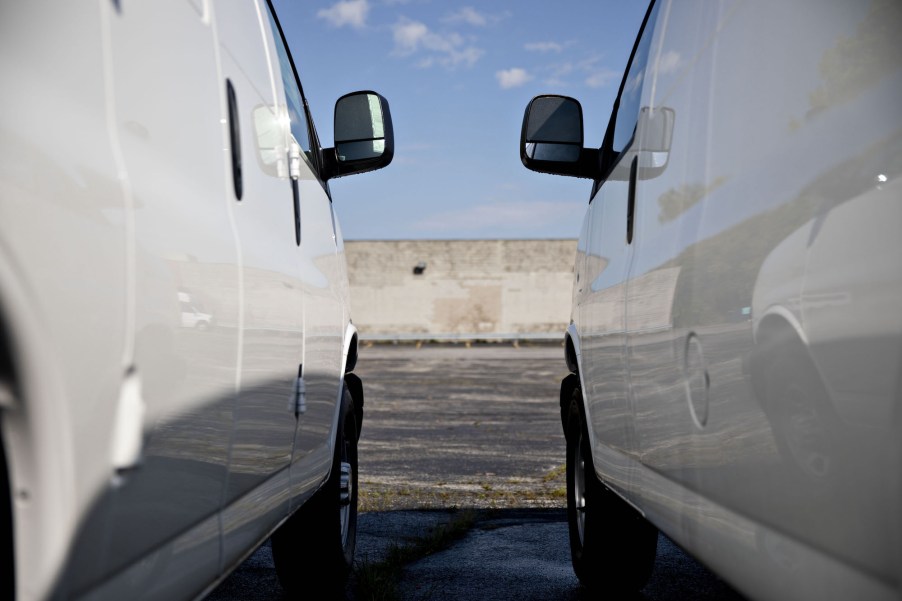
pixel 468 287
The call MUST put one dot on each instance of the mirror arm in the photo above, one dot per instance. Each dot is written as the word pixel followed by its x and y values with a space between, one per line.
pixel 588 166
pixel 331 169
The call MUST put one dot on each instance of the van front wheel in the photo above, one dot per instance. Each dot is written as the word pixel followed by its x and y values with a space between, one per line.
pixel 314 549
pixel 612 547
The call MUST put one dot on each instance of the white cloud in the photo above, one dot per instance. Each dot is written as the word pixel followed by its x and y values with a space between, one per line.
pixel 512 78
pixel 469 15
pixel 446 49
pixel 633 83
pixel 346 12
pixel 590 70
pixel 562 70
pixel 468 56
pixel 523 217
pixel 601 77
pixel 668 62
pixel 409 35
pixel 544 47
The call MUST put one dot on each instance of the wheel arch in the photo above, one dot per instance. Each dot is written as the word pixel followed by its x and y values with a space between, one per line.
pixel 35 435
pixel 352 380
pixel 571 349
pixel 350 350
pixel 777 332
pixel 573 380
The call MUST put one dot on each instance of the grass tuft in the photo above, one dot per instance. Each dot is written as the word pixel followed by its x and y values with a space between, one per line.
pixel 555 473
pixel 378 581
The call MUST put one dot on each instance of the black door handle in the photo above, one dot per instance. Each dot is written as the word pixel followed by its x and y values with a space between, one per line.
pixel 297 210
pixel 294 173
pixel 234 140
pixel 631 200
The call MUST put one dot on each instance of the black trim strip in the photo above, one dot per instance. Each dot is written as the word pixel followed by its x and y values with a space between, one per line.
pixel 235 141
pixel 631 203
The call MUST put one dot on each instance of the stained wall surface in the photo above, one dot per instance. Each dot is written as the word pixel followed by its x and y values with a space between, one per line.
pixel 492 288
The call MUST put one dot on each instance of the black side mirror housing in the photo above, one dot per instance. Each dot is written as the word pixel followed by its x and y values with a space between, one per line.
pixel 551 140
pixel 364 137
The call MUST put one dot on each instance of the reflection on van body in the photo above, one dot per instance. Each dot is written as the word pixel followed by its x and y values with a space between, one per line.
pixel 756 418
pixel 175 365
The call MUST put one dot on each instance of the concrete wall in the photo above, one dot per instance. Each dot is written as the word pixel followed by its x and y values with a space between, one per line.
pixel 468 287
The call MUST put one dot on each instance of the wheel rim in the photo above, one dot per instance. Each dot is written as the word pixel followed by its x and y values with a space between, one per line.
pixel 579 489
pixel 345 496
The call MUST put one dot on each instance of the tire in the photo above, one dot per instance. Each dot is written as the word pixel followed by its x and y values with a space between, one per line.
pixel 804 425
pixel 313 551
pixel 612 546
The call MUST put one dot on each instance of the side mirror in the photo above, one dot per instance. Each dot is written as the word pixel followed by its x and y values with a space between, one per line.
pixel 364 138
pixel 551 140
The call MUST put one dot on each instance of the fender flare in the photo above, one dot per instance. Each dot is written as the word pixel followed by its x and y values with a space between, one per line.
pixel 38 445
pixel 776 328
pixel 573 380
pixel 352 380
pixel 349 350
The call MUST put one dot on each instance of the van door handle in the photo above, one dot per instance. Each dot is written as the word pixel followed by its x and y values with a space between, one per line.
pixel 631 200
pixel 235 140
pixel 294 172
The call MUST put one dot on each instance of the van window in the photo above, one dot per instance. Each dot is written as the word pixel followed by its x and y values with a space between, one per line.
pixel 631 89
pixel 300 129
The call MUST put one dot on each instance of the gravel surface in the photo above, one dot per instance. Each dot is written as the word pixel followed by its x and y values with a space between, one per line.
pixel 451 426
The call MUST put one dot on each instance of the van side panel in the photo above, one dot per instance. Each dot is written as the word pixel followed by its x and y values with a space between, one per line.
pixel 272 318
pixel 764 359
pixel 61 205
pixel 603 331
pixel 166 99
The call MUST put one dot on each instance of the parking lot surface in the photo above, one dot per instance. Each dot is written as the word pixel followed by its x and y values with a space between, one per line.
pixel 454 430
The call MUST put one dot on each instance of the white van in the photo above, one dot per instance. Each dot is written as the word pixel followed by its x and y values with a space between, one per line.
pixel 153 156
pixel 736 333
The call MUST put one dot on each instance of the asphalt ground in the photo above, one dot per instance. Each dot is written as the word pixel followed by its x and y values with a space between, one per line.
pixel 471 431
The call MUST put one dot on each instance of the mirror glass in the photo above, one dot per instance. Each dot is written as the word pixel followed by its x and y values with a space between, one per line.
pixel 554 129
pixel 548 151
pixel 355 151
pixel 359 127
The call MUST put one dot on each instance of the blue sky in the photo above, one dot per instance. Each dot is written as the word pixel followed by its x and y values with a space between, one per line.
pixel 458 77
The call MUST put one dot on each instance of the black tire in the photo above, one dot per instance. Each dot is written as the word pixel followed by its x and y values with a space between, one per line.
pixel 805 427
pixel 612 546
pixel 313 551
